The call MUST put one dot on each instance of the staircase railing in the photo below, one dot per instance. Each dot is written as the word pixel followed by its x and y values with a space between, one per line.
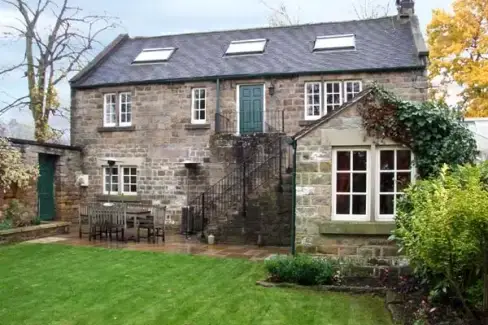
pixel 232 190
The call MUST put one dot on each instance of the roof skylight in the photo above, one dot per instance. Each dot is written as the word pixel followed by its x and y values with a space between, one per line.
pixel 154 55
pixel 250 46
pixel 335 42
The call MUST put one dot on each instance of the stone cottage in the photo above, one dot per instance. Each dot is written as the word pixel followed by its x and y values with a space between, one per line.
pixel 203 120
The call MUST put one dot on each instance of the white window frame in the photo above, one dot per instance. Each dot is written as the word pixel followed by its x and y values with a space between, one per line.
pixel 128 112
pixel 105 110
pixel 194 108
pixel 346 42
pixel 353 93
pixel 307 104
pixel 154 55
pixel 120 180
pixel 104 175
pixel 350 216
pixel 378 171
pixel 341 101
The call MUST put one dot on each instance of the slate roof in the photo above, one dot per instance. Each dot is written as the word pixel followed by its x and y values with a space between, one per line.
pixel 381 44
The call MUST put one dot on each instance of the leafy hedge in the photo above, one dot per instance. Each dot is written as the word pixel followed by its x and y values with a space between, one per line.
pixel 442 227
pixel 434 132
pixel 302 269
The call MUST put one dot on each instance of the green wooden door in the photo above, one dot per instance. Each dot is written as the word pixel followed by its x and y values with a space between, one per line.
pixel 251 109
pixel 45 187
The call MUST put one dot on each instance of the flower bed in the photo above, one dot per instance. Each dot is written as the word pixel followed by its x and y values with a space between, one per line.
pixel 33 232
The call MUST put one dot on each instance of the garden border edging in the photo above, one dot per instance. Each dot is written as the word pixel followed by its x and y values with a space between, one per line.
pixel 332 288
pixel 33 232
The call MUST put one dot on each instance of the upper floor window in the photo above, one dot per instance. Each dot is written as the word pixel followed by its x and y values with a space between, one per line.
pixel 351 89
pixel 251 46
pixel 199 106
pixel 333 95
pixel 125 112
pixel 155 55
pixel 335 43
pixel 313 99
pixel 109 112
pixel 117 117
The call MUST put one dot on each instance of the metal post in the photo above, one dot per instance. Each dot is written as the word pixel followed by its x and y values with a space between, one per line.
pixel 280 162
pixel 203 212
pixel 244 189
pixel 294 197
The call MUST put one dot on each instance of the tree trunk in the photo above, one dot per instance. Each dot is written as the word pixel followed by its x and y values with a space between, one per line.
pixel 41 132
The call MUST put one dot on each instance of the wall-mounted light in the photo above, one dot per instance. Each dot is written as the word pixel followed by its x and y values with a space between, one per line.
pixel 271 89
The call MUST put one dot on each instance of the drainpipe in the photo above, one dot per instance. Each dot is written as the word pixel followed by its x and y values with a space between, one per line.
pixel 217 107
pixel 293 196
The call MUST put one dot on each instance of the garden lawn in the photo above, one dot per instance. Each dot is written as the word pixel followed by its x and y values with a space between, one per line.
pixel 65 285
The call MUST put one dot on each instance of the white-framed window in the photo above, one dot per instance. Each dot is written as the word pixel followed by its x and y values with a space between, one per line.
pixel 335 42
pixel 313 100
pixel 199 106
pixel 333 95
pixel 109 111
pixel 250 46
pixel 125 109
pixel 129 180
pixel 395 172
pixel 351 89
pixel 350 180
pixel 110 187
pixel 123 180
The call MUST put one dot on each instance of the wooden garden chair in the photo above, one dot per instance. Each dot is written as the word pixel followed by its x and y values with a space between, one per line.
pixel 154 224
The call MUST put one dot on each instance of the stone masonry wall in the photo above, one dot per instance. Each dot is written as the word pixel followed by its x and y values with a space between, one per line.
pixel 66 192
pixel 162 137
pixel 314 195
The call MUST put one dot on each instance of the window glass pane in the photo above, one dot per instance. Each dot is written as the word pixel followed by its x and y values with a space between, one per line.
pixel 126 179
pixel 386 204
pixel 115 188
pixel 348 87
pixel 133 179
pixel 310 88
pixel 359 160
pixel 202 115
pixel 404 159
pixel 126 188
pixel 343 182
pixel 337 87
pixel 357 87
pixel 316 88
pixel 329 87
pixel 316 110
pixel 342 204
pixel 403 180
pixel 359 183
pixel 343 160
pixel 359 204
pixel 386 182
pixel 387 159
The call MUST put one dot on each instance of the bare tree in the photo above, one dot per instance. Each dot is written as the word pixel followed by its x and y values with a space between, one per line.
pixel 280 16
pixel 368 9
pixel 59 40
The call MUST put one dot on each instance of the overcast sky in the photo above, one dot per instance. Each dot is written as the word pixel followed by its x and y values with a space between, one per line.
pixel 159 17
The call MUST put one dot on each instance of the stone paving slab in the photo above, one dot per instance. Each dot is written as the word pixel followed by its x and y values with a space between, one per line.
pixel 174 244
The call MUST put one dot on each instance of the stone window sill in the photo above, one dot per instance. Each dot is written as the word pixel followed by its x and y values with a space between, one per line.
pixel 306 122
pixel 356 228
pixel 116 128
pixel 197 126
pixel 118 198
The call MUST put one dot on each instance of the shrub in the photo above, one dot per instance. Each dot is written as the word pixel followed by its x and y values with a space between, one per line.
pixel 302 269
pixel 18 214
pixel 442 227
pixel 5 224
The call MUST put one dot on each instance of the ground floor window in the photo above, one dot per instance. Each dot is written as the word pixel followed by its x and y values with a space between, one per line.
pixel 120 180
pixel 354 175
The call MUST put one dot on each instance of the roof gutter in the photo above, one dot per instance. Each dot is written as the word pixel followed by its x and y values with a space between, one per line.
pixel 249 76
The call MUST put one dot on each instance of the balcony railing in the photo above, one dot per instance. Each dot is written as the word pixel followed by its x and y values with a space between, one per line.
pixel 250 121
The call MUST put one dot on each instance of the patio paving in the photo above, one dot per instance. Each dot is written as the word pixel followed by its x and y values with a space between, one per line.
pixel 175 243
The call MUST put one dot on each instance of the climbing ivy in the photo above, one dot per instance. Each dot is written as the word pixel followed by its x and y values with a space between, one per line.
pixel 434 132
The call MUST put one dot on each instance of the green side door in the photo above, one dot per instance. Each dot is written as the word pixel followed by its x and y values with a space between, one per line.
pixel 45 187
pixel 251 109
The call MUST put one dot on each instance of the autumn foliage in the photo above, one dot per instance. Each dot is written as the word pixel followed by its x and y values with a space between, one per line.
pixel 458 44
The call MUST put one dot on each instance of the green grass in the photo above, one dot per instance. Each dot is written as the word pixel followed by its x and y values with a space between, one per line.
pixel 63 285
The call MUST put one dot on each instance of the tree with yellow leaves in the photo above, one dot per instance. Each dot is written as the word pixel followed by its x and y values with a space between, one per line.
pixel 458 44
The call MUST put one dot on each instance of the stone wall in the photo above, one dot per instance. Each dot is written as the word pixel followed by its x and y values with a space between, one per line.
pixel 67 168
pixel 316 232
pixel 162 137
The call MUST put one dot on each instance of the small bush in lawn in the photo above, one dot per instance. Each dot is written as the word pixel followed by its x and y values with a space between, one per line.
pixel 302 269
